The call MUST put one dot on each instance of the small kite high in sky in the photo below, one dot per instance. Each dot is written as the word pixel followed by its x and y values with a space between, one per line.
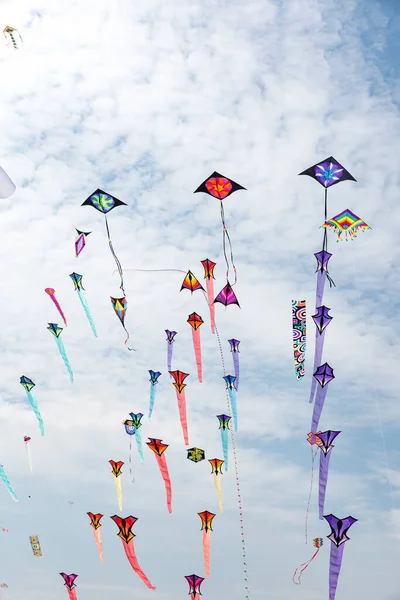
pixel 70 585
pixel 52 293
pixel 125 533
pixel 299 321
pixel 80 241
pixel 7 186
pixel 179 378
pixel 194 582
pixel 28 386
pixel 80 290
pixel 224 428
pixel 170 340
pixel 159 448
pixel 132 427
pixel 196 454
pixel 216 471
pixel 234 344
pixel 206 527
pixel 230 386
pixel 116 471
pixel 209 266
pixel 154 375
pixel 56 331
pixel 13 38
pixel 338 537
pixel 195 321
pixel 35 545
pixel 27 441
pixel 95 523
pixel 348 223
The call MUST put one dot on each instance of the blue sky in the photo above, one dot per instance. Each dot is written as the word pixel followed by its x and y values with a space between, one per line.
pixel 145 102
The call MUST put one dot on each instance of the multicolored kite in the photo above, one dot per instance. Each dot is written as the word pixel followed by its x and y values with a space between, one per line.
pixel 321 319
pixel 70 585
pixel 7 186
pixel 170 340
pixel 35 545
pixel 224 428
pixel 338 536
pixel 299 320
pixel 348 223
pixel 95 523
pixel 77 279
pixel 209 266
pixel 56 331
pixel 230 386
pixel 28 386
pixel 194 582
pixel 154 375
pixel 216 471
pixel 27 441
pixel 234 344
pixel 52 293
pixel 196 454
pixel 179 378
pixel 159 449
pixel 132 427
pixel 11 34
pixel 191 283
pixel 195 321
pixel 318 543
pixel 120 305
pixel 125 533
pixel 206 527
pixel 323 375
pixel 116 471
pixel 80 241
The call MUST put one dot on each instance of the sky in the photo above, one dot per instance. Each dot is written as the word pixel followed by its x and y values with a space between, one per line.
pixel 145 101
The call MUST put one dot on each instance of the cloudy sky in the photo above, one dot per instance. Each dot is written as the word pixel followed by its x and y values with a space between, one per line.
pixel 145 100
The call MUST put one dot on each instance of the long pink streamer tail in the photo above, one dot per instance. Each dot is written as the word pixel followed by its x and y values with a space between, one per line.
pixel 182 414
pixel 302 568
pixel 206 552
pixel 162 464
pixel 133 561
pixel 210 299
pixel 51 293
pixel 72 594
pixel 97 537
pixel 197 353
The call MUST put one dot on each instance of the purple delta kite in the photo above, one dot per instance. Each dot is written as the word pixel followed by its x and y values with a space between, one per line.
pixel 323 375
pixel 338 537
pixel 234 344
pixel 321 319
pixel 170 340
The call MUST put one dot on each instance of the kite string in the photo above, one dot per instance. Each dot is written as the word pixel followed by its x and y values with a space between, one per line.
pixel 311 488
pixel 225 234
pixel 120 271
pixel 235 460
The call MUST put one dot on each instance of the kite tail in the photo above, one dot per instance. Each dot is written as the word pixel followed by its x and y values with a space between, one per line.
pixel 197 353
pixel 162 464
pixel 138 436
pixel 7 483
pixel 182 414
pixel 321 278
pixel 64 356
pixel 127 339
pixel 133 561
pixel 313 455
pixel 152 398
pixel 318 406
pixel 118 487
pixel 119 267
pixel 319 346
pixel 224 440
pixel 130 461
pixel 51 293
pixel 35 408
pixel 210 300
pixel 302 568
pixel 169 357
pixel 226 236
pixel 323 480
pixel 218 488
pixel 334 568
pixel 232 399
pixel 97 537
pixel 236 367
pixel 84 303
pixel 28 452
pixel 206 551
pixel 72 594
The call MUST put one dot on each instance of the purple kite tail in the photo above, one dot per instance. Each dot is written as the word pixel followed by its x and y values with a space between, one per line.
pixel 318 406
pixel 323 479
pixel 236 367
pixel 334 568
pixel 321 278
pixel 169 358
pixel 319 346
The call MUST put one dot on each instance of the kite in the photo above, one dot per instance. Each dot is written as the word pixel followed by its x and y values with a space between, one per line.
pixel 56 331
pixel 317 542
pixel 70 584
pixel 3 585
pixel 209 276
pixel 51 292
pixel 35 545
pixel 125 533
pixel 324 440
pixel 27 441
pixel 194 582
pixel 321 319
pixel 95 523
pixel 170 340
pixel 132 426
pixel 195 321
pixel 346 222
pixel 299 336
pixel 120 305
pixel 230 386
pixel 227 296
pixel 28 385
pixel 154 375
pixel 80 241
pixel 7 187
pixel 196 454
pixel 12 33
pixel 221 187
pixel 234 344
pixel 324 374
pixel 224 428
pixel 338 536
pixel 191 283
pixel 4 529
pixel 179 378
pixel 77 279
pixel 216 471
pixel 206 527
pixel 116 471
pixel 159 449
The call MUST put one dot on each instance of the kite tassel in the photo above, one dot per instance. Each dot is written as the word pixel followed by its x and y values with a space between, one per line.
pixel 224 439
pixel 232 398
pixel 88 314
pixel 218 489
pixel 152 398
pixel 138 436
pixel 64 356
